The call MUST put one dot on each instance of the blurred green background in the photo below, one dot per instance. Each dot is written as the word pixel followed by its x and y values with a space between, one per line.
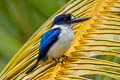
pixel 19 19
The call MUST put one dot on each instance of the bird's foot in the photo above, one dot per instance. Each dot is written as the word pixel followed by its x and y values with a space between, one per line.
pixel 65 58
pixel 56 61
pixel 61 62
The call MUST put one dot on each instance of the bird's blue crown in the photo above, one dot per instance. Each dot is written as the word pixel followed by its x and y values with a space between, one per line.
pixel 62 19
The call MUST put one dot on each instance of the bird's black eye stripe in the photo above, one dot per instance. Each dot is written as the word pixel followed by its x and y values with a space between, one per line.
pixel 67 17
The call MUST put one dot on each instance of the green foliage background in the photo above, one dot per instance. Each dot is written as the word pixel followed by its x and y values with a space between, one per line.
pixel 18 20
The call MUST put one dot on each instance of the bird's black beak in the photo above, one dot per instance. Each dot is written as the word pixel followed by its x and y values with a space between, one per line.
pixel 76 20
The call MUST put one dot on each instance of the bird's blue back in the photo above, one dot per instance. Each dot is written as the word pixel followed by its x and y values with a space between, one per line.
pixel 48 39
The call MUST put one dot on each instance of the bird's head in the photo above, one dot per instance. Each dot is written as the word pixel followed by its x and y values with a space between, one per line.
pixel 67 19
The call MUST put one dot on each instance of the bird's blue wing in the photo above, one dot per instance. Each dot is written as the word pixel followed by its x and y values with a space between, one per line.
pixel 48 39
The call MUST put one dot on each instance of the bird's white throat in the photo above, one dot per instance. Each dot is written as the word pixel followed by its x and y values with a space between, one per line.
pixel 63 26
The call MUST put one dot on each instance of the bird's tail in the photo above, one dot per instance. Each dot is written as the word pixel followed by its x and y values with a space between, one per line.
pixel 31 68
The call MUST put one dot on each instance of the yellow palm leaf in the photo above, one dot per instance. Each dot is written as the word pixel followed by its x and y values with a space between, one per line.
pixel 94 51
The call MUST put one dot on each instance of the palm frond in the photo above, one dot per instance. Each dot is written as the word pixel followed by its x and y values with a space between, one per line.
pixel 94 53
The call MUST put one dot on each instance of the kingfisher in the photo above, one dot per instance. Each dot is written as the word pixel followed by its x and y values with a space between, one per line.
pixel 56 41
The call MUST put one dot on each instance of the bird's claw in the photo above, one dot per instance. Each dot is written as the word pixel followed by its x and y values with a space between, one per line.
pixel 56 62
pixel 61 62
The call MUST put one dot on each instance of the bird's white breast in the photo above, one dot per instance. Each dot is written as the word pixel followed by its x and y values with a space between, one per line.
pixel 63 43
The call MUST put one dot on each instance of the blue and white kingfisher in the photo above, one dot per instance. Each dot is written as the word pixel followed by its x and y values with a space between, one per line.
pixel 56 41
